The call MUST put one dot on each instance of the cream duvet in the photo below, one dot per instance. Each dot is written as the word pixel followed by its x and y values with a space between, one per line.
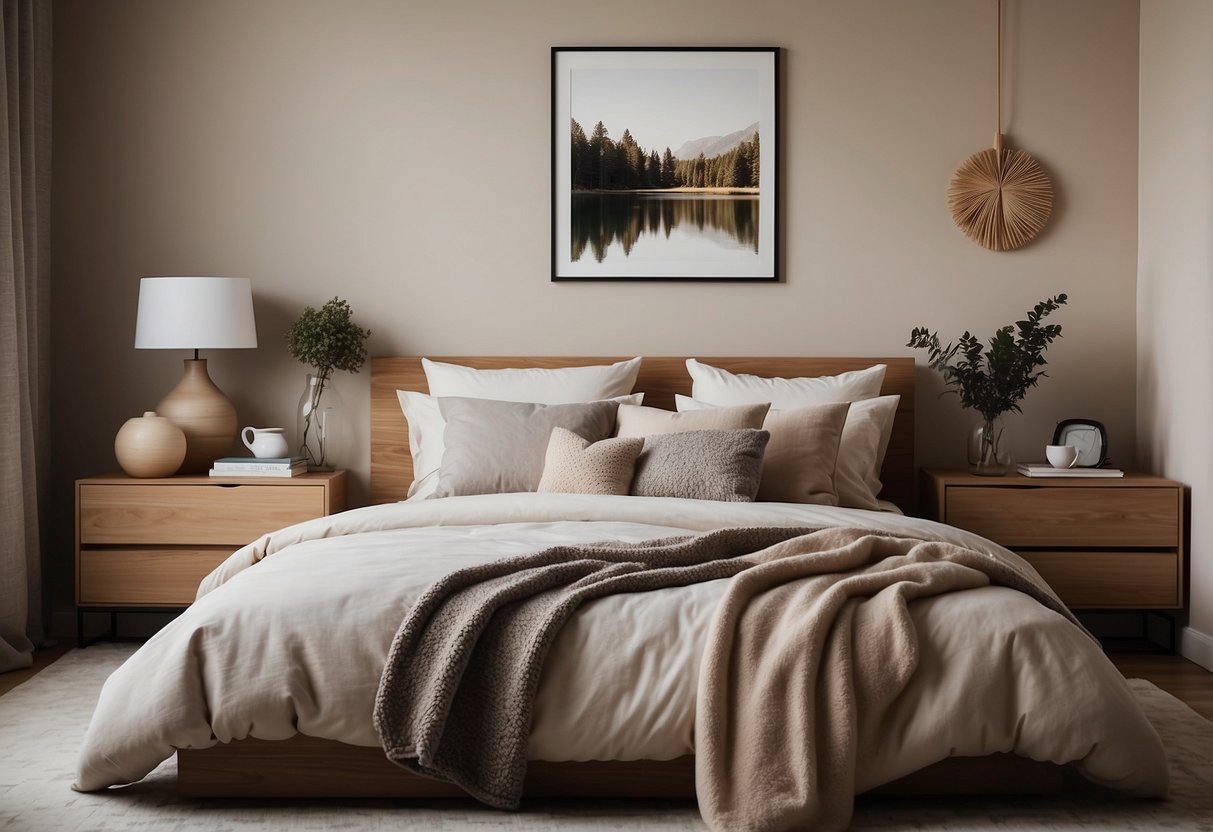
pixel 291 634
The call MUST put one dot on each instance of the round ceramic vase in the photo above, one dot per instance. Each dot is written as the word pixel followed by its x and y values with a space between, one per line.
pixel 150 446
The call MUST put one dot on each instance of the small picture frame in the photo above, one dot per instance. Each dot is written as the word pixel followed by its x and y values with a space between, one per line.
pixel 1088 436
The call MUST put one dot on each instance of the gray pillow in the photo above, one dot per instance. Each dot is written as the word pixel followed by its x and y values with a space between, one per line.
pixel 721 465
pixel 497 447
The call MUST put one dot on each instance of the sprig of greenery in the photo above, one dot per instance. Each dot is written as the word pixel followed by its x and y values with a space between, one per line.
pixel 994 382
pixel 327 339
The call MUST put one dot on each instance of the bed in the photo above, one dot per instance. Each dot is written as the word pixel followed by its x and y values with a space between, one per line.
pixel 300 738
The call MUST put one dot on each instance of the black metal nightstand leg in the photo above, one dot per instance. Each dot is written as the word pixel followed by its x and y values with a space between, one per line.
pixel 80 642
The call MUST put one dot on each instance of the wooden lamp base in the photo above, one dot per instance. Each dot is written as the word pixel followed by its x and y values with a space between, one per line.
pixel 204 414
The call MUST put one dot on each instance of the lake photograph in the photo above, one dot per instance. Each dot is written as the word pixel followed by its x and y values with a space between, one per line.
pixel 665 169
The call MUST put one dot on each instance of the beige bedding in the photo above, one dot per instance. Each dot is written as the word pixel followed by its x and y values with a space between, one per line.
pixel 297 643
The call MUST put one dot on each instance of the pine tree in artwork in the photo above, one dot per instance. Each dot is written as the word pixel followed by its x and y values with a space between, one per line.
pixel 668 179
pixel 616 172
pixel 635 156
pixel 600 153
pixel 755 156
pixel 579 157
pixel 739 170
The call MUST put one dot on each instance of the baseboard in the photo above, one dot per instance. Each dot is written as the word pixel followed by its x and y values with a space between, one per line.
pixel 1197 647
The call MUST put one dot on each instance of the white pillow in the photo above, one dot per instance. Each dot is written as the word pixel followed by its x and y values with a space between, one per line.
pixel 861 452
pixel 720 387
pixel 426 427
pixel 565 385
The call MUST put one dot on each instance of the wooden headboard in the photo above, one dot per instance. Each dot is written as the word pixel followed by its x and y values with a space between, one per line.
pixel 660 378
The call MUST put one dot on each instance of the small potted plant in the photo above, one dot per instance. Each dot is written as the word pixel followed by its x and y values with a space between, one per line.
pixel 993 381
pixel 327 339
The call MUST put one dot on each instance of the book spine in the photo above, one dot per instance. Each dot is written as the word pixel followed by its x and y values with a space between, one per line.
pixel 1062 475
pixel 231 466
pixel 286 473
pixel 254 460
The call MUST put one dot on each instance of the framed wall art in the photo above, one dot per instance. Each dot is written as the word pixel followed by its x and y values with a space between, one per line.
pixel 665 163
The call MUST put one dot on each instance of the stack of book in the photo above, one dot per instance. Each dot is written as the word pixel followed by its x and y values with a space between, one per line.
pixel 251 466
pixel 1044 469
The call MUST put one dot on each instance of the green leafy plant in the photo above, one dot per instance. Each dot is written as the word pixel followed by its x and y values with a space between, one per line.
pixel 993 381
pixel 327 339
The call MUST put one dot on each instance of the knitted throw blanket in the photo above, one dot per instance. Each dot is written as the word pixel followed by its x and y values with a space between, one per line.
pixel 812 637
pixel 456 695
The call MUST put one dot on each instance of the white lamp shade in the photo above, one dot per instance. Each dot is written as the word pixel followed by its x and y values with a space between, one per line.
pixel 195 313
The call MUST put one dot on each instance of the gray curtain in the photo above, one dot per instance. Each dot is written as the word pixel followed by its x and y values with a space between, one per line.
pixel 25 144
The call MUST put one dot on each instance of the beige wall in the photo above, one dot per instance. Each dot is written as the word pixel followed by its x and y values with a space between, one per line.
pixel 397 154
pixel 1175 276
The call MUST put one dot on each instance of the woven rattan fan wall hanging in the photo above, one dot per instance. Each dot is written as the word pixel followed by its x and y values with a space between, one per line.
pixel 1000 198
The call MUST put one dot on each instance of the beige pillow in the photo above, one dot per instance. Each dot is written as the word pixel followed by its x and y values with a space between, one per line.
pixel 861 451
pixel 865 440
pixel 701 465
pixel 799 463
pixel 574 465
pixel 634 420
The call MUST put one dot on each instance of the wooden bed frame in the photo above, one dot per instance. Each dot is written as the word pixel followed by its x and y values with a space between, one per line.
pixel 309 767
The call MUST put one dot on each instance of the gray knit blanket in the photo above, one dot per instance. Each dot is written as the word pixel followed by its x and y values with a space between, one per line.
pixel 457 692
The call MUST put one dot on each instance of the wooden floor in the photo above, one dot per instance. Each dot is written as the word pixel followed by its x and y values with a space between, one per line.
pixel 42 658
pixel 1188 682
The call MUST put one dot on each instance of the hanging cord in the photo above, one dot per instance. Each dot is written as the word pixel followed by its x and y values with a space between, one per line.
pixel 998 75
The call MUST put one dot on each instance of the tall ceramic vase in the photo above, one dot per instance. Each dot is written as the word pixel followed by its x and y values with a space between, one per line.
pixel 990 449
pixel 321 431
pixel 204 414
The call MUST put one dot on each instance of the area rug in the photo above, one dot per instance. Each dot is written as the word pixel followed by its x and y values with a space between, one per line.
pixel 43 720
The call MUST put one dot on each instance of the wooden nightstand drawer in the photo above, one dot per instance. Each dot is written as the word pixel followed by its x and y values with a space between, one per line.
pixel 1101 543
pixel 154 577
pixel 192 514
pixel 1036 516
pixel 147 543
pixel 1108 580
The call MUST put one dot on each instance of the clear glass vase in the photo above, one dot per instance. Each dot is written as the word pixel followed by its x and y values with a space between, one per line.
pixel 990 449
pixel 320 425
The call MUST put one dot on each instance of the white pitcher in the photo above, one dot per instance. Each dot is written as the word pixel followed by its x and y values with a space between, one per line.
pixel 267 443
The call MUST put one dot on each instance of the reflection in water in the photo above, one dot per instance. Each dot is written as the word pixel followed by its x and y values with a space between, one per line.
pixel 599 219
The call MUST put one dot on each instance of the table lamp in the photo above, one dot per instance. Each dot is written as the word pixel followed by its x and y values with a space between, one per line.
pixel 197 313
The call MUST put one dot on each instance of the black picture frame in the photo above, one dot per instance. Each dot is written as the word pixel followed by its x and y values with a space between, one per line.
pixel 1085 423
pixel 622 219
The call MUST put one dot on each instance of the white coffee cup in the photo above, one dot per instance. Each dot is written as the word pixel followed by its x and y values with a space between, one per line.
pixel 267 443
pixel 1062 456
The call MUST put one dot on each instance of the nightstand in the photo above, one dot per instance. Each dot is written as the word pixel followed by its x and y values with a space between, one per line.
pixel 1102 544
pixel 143 545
